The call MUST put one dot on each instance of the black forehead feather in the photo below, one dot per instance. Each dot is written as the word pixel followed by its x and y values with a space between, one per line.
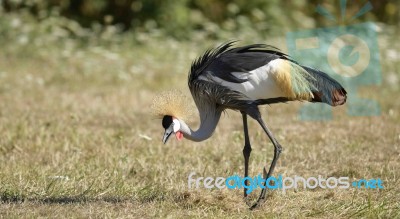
pixel 166 121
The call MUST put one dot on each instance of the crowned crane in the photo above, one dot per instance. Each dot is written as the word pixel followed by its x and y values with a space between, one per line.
pixel 241 79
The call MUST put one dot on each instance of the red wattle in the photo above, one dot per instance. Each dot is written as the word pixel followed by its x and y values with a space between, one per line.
pixel 179 135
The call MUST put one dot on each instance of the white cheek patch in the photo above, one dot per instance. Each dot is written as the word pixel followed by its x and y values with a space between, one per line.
pixel 177 125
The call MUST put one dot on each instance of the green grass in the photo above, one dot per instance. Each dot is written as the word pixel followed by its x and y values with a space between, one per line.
pixel 71 142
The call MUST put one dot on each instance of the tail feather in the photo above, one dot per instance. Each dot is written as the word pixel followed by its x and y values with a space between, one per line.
pixel 326 89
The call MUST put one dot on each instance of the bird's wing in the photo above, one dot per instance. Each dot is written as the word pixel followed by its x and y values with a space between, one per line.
pixel 258 74
pixel 236 65
pixel 224 60
pixel 214 75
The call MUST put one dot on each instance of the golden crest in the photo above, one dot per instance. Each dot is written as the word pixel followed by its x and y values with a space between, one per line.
pixel 173 103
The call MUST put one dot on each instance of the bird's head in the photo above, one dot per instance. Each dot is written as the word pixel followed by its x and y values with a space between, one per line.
pixel 173 107
pixel 171 125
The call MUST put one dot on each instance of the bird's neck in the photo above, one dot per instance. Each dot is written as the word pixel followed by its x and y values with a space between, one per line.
pixel 208 121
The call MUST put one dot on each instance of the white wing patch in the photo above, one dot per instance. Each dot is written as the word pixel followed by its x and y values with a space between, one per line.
pixel 240 75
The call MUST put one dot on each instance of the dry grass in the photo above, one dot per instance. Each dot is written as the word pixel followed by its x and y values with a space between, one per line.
pixel 77 140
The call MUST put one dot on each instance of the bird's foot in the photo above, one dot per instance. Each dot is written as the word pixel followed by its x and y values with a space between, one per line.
pixel 258 203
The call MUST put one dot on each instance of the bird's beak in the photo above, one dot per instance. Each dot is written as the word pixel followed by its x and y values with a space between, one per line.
pixel 168 133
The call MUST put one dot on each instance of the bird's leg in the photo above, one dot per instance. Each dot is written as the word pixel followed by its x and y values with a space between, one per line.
pixel 277 151
pixel 246 150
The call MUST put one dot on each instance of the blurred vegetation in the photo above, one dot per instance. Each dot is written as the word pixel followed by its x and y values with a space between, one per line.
pixel 185 19
pixel 63 31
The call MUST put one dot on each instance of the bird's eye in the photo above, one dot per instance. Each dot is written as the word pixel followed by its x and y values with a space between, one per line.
pixel 166 121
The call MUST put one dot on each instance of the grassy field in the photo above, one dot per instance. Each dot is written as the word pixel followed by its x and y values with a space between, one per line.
pixel 77 140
